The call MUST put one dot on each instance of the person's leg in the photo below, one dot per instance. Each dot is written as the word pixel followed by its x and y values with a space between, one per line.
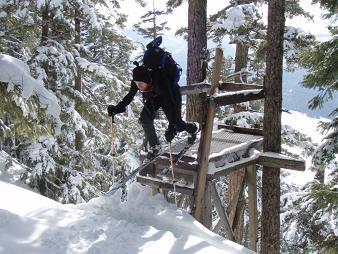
pixel 174 115
pixel 147 121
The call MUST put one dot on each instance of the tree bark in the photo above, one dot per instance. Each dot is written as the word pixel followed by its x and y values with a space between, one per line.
pixel 78 80
pixel 236 178
pixel 270 235
pixel 235 183
pixel 45 23
pixel 241 60
pixel 197 42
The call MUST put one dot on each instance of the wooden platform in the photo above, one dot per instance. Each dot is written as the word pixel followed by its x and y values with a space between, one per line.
pixel 226 146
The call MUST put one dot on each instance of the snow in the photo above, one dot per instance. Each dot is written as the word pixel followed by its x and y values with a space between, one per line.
pixel 304 124
pixel 244 92
pixel 236 17
pixel 100 70
pixel 307 125
pixel 31 223
pixel 52 3
pixel 235 148
pixel 15 72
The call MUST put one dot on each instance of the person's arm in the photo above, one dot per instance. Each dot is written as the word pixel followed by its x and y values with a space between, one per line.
pixel 121 106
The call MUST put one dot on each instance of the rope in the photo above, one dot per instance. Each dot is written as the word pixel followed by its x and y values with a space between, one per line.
pixel 172 171
pixel 112 145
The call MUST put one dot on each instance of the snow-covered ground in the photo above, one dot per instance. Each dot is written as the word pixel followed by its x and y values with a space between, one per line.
pixel 31 223
pixel 306 125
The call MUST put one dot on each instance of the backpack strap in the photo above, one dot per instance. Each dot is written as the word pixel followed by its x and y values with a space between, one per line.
pixel 164 60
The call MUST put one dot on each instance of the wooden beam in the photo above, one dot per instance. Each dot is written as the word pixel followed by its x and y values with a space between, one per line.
pixel 215 78
pixel 276 160
pixel 251 131
pixel 166 185
pixel 203 161
pixel 221 213
pixel 207 213
pixel 232 209
pixel 252 204
pixel 195 89
pixel 231 87
pixel 218 226
pixel 238 97
pixel 205 141
pixel 164 162
pixel 237 74
pixel 230 167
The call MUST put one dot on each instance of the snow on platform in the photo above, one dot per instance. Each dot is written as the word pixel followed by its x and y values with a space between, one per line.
pixel 226 146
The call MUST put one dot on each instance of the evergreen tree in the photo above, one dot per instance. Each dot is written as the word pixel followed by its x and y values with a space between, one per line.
pixel 18 31
pixel 81 58
pixel 150 25
pixel 320 60
pixel 310 219
pixel 249 33
pixel 313 211
pixel 270 225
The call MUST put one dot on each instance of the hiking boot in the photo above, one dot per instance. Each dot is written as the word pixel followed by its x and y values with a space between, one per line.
pixel 154 152
pixel 192 130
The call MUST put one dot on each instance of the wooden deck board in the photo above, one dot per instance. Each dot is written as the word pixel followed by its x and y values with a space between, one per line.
pixel 223 142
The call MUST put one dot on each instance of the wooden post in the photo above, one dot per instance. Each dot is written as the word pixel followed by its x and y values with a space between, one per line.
pixel 205 140
pixel 222 213
pixel 216 71
pixel 203 161
pixel 207 211
pixel 252 203
pixel 152 172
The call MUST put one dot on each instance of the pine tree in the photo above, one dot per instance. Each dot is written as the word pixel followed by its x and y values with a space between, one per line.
pixel 270 226
pixel 69 158
pixel 320 61
pixel 310 216
pixel 315 209
pixel 252 34
pixel 155 27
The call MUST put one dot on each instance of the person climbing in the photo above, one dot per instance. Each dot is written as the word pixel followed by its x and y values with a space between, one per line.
pixel 158 92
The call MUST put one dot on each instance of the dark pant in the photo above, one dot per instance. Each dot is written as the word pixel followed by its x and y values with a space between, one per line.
pixel 171 106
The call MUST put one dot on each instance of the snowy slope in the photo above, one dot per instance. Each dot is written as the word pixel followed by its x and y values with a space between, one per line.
pixel 31 223
pixel 307 125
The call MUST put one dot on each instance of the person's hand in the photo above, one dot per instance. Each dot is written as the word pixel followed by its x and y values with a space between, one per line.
pixel 169 134
pixel 111 110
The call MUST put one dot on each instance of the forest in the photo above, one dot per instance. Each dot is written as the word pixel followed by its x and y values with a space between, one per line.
pixel 62 62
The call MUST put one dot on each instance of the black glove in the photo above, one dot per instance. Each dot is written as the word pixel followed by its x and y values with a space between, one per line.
pixel 114 110
pixel 169 134
pixel 111 110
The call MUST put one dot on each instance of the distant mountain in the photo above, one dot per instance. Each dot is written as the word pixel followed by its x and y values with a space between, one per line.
pixel 296 97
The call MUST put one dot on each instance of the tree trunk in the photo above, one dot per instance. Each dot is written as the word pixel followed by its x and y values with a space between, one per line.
pixel 235 183
pixel 241 60
pixel 197 42
pixel 45 33
pixel 45 23
pixel 270 235
pixel 236 178
pixel 78 83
